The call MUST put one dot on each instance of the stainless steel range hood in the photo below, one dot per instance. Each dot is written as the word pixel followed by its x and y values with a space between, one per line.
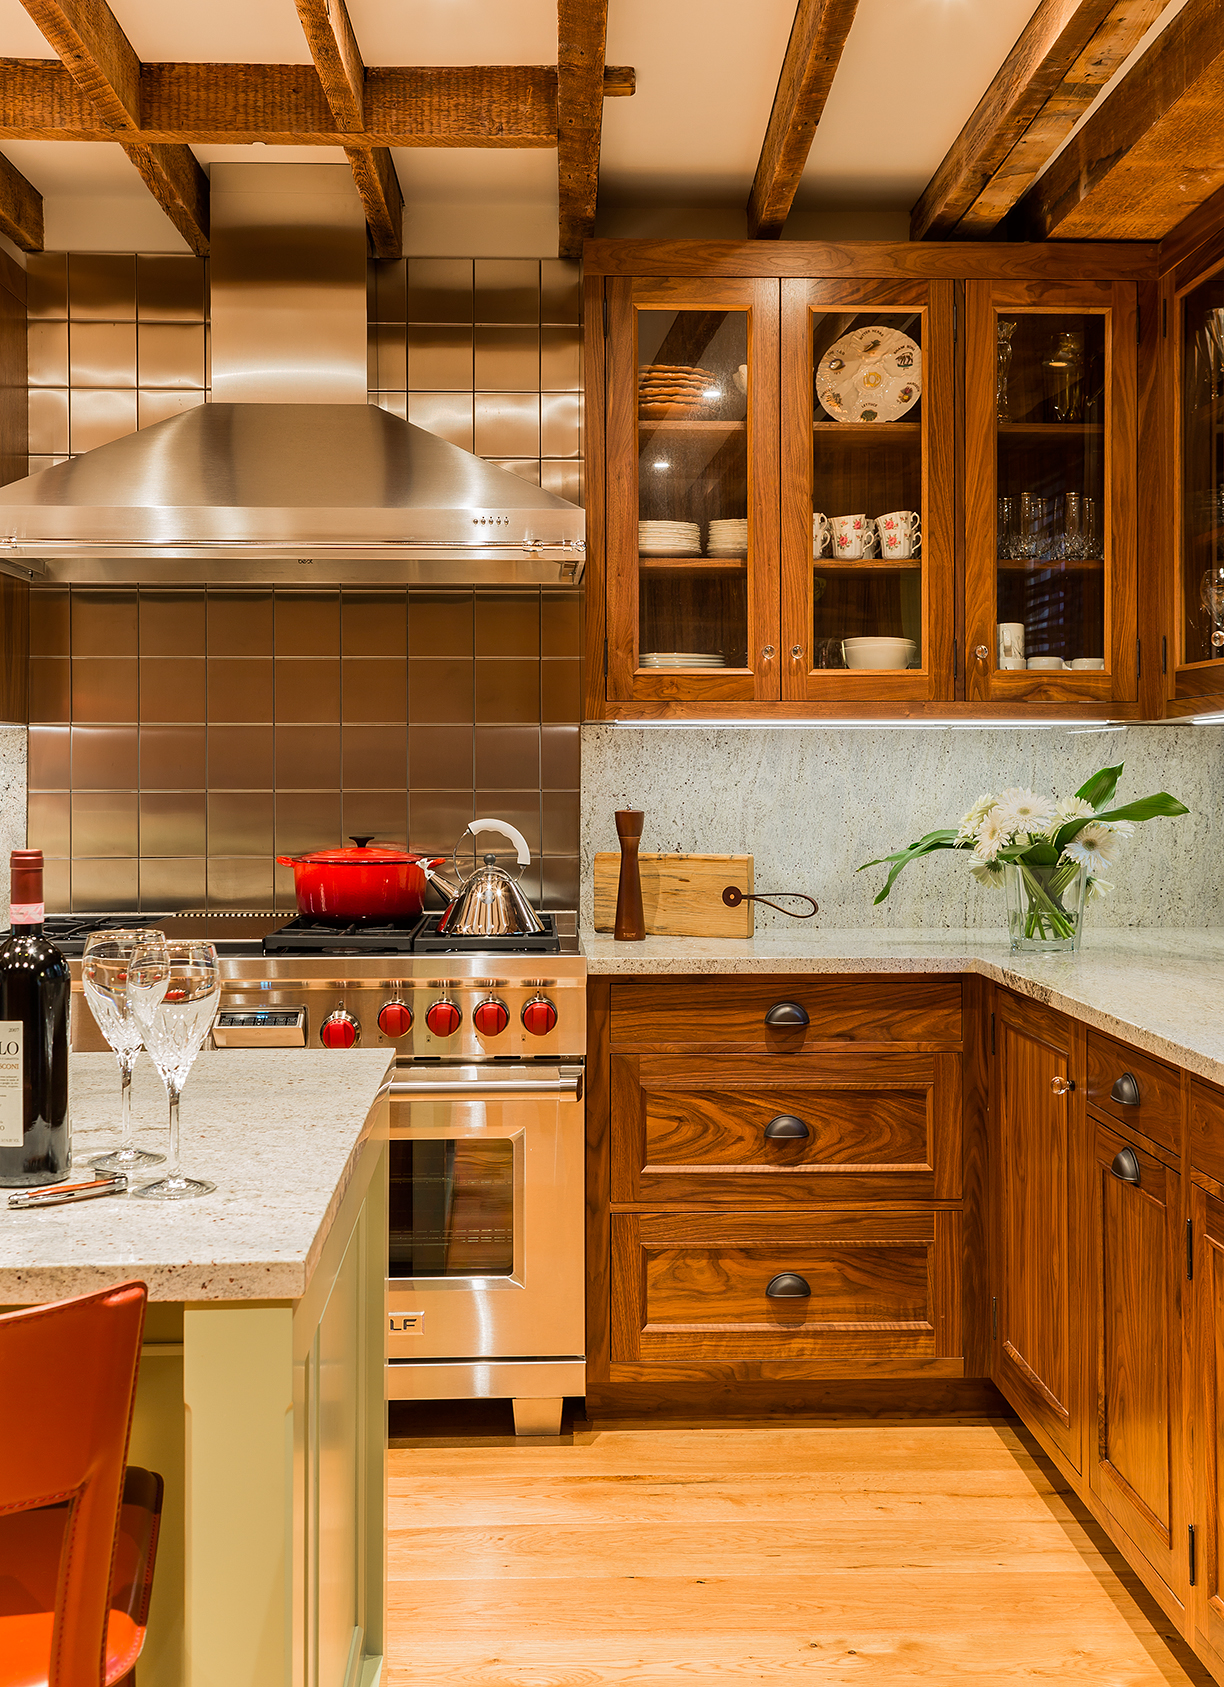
pixel 290 474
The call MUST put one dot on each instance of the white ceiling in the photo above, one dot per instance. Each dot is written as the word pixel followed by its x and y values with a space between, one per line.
pixel 678 157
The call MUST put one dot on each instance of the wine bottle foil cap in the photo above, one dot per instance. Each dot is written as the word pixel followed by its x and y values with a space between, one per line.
pixel 26 873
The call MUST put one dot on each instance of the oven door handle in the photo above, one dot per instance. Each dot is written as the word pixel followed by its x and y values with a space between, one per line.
pixel 568 1082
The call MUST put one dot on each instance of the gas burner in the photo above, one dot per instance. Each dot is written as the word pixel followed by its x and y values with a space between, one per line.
pixel 429 941
pixel 315 937
pixel 69 931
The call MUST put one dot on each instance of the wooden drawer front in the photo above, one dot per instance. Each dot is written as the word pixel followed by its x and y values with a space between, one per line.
pixel 884 1290
pixel 690 1131
pixel 1158 1112
pixel 727 1014
pixel 1207 1129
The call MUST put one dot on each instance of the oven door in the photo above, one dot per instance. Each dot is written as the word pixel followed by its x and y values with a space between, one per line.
pixel 485 1252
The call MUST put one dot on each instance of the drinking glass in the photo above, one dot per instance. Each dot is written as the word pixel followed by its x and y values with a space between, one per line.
pixel 1074 536
pixel 174 993
pixel 1034 520
pixel 1211 596
pixel 104 977
pixel 1007 528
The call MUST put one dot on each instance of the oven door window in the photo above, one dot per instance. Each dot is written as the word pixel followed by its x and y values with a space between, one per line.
pixel 452 1208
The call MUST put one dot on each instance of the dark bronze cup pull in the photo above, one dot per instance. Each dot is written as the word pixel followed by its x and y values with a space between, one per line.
pixel 785 1015
pixel 733 896
pixel 1125 1090
pixel 1125 1166
pixel 786 1127
pixel 788 1285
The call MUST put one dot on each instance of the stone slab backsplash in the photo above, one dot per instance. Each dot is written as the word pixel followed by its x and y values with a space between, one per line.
pixel 812 803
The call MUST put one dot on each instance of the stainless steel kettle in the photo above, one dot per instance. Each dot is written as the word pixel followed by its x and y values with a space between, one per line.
pixel 490 902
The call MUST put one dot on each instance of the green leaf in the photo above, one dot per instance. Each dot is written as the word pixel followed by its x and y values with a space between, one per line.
pixel 1144 808
pixel 1100 788
pixel 925 846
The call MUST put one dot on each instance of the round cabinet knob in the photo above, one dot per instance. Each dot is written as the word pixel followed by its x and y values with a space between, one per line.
pixel 395 1019
pixel 443 1018
pixel 768 653
pixel 539 1016
pixel 788 1285
pixel 339 1030
pixel 982 652
pixel 1062 1086
pixel 490 1017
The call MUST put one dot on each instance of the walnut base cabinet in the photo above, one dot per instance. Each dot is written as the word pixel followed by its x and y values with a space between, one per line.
pixel 1038 1224
pixel 776 1206
pixel 1208 1220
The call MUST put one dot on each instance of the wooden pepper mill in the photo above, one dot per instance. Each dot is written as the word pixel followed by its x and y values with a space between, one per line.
pixel 630 924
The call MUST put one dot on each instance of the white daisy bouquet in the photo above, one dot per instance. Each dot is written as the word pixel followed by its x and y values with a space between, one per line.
pixel 1050 844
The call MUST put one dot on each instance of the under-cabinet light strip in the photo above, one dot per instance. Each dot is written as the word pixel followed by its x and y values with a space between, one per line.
pixel 816 725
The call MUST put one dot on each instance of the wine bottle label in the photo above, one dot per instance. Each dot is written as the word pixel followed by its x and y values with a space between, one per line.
pixel 27 913
pixel 12 1121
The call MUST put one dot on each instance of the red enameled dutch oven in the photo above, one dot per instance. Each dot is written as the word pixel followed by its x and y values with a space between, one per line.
pixel 368 882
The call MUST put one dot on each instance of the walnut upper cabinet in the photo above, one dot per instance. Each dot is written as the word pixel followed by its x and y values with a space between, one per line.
pixel 1050 506
pixel 1197 665
pixel 791 446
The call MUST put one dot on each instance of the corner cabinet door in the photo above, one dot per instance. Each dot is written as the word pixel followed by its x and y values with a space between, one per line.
pixel 867 492
pixel 1050 492
pixel 1208 1413
pixel 1199 600
pixel 1135 1455
pixel 692 491
pixel 1039 1353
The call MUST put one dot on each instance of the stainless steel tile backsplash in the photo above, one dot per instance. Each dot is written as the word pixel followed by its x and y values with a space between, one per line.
pixel 180 739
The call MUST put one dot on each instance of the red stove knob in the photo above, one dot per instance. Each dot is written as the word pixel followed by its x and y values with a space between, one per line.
pixel 443 1018
pixel 339 1030
pixel 539 1016
pixel 395 1019
pixel 490 1017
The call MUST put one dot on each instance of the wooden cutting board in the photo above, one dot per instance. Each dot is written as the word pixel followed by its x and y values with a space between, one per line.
pixel 681 894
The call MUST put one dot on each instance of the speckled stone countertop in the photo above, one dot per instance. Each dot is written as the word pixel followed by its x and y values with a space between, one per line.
pixel 279 1131
pixel 1161 990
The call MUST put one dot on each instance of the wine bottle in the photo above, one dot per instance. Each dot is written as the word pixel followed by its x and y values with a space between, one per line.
pixel 34 984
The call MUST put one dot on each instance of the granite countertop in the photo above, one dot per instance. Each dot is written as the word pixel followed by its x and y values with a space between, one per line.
pixel 1161 990
pixel 280 1132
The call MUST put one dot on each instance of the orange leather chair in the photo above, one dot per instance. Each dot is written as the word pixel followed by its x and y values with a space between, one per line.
pixel 78 1529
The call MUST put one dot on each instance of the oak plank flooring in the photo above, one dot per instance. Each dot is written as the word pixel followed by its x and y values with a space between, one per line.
pixel 865 1555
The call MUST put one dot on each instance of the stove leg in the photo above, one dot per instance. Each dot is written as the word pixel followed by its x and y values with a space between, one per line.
pixel 537 1417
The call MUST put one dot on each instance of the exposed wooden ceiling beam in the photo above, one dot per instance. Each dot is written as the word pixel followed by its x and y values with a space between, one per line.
pixel 1066 53
pixel 284 105
pixel 337 59
pixel 1152 150
pixel 101 61
pixel 813 53
pixel 21 208
pixel 582 35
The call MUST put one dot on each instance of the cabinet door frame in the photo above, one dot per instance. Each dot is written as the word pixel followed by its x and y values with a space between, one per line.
pixel 850 687
pixel 626 681
pixel 1057 1420
pixel 1202 681
pixel 1207 1211
pixel 1117 301
pixel 1160 1183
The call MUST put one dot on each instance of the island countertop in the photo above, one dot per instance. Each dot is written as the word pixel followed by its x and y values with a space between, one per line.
pixel 1161 990
pixel 279 1131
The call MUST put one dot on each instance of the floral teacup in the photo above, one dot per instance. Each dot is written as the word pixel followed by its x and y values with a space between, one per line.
pixel 900 534
pixel 854 536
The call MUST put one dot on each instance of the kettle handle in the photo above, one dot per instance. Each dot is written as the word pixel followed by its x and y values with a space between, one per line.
pixel 507 831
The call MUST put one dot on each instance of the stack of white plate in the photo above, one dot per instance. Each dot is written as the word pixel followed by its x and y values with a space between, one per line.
pixel 669 538
pixel 728 538
pixel 680 659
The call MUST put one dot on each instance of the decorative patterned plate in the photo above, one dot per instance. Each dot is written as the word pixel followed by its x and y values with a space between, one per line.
pixel 870 375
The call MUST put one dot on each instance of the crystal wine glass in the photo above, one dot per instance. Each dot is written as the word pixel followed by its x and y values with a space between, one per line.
pixel 104 976
pixel 174 993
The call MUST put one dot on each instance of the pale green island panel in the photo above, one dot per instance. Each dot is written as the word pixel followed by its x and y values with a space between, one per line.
pixel 261 1386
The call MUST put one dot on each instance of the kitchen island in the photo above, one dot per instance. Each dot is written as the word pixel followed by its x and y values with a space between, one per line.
pixel 261 1387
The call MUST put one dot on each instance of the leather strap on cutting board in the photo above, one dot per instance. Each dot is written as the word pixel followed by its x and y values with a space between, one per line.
pixel 681 894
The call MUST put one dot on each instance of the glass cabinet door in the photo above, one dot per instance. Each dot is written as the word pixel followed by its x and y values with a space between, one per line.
pixel 1201 582
pixel 867 536
pixel 692 526
pixel 1050 492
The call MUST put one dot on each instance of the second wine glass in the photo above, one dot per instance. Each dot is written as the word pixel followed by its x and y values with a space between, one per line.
pixel 174 994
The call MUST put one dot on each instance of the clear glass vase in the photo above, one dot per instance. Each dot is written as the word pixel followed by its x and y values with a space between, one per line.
pixel 1045 907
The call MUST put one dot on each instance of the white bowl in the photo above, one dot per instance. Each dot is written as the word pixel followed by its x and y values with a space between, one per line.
pixel 878 652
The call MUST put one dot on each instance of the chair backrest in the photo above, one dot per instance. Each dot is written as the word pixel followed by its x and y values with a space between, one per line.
pixel 67 1388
